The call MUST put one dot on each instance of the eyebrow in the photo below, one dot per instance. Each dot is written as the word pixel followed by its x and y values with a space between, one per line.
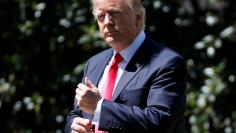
pixel 114 9
pixel 99 10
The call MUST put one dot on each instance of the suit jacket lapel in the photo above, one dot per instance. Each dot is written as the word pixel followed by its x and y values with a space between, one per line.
pixel 124 80
pixel 137 62
pixel 99 68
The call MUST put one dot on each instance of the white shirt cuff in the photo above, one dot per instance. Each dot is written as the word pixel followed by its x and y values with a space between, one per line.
pixel 97 113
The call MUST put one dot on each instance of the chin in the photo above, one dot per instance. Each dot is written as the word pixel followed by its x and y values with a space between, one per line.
pixel 109 39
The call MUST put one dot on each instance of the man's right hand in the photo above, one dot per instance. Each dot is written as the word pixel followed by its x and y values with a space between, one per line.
pixel 81 125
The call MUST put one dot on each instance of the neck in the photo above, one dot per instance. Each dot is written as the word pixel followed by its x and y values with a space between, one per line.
pixel 119 46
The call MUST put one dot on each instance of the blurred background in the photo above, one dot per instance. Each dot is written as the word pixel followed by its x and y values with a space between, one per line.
pixel 45 43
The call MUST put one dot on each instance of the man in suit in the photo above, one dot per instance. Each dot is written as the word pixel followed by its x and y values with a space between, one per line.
pixel 148 84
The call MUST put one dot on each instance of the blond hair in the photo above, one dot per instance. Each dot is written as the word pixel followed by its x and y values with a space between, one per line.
pixel 138 8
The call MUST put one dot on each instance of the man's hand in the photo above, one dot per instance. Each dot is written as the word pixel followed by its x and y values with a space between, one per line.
pixel 80 125
pixel 87 96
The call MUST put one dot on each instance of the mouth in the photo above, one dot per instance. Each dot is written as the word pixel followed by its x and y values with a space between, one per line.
pixel 110 33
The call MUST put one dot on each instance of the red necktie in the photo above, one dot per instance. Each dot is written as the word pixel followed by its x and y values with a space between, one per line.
pixel 108 88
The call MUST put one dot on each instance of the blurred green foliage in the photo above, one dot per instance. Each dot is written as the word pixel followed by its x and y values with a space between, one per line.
pixel 44 45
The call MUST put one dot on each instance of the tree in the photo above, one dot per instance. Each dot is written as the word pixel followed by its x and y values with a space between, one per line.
pixel 44 45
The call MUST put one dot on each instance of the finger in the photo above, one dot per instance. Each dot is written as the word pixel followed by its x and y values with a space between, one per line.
pixel 89 83
pixel 78 97
pixel 83 122
pixel 83 87
pixel 74 131
pixel 79 91
pixel 78 128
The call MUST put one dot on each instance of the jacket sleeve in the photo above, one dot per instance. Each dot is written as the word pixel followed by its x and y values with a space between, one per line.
pixel 76 112
pixel 163 107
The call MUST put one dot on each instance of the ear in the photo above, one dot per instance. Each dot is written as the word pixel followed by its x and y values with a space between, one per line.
pixel 138 19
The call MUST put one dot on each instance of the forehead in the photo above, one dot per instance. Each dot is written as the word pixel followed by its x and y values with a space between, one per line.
pixel 110 4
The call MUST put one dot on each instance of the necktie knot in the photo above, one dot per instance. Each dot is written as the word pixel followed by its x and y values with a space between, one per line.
pixel 117 59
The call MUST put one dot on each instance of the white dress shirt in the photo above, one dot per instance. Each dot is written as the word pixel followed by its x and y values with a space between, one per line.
pixel 127 54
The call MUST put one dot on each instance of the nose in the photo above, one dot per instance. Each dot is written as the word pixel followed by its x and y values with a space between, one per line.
pixel 108 19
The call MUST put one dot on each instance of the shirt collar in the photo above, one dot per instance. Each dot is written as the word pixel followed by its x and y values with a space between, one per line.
pixel 128 52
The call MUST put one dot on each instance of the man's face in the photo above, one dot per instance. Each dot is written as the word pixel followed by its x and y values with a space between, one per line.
pixel 117 22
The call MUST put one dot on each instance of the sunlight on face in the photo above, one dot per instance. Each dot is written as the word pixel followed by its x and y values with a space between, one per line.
pixel 116 21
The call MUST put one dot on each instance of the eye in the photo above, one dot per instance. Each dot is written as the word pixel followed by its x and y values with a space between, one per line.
pixel 100 17
pixel 115 14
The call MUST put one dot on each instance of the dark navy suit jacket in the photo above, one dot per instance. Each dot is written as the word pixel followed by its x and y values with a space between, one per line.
pixel 149 97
